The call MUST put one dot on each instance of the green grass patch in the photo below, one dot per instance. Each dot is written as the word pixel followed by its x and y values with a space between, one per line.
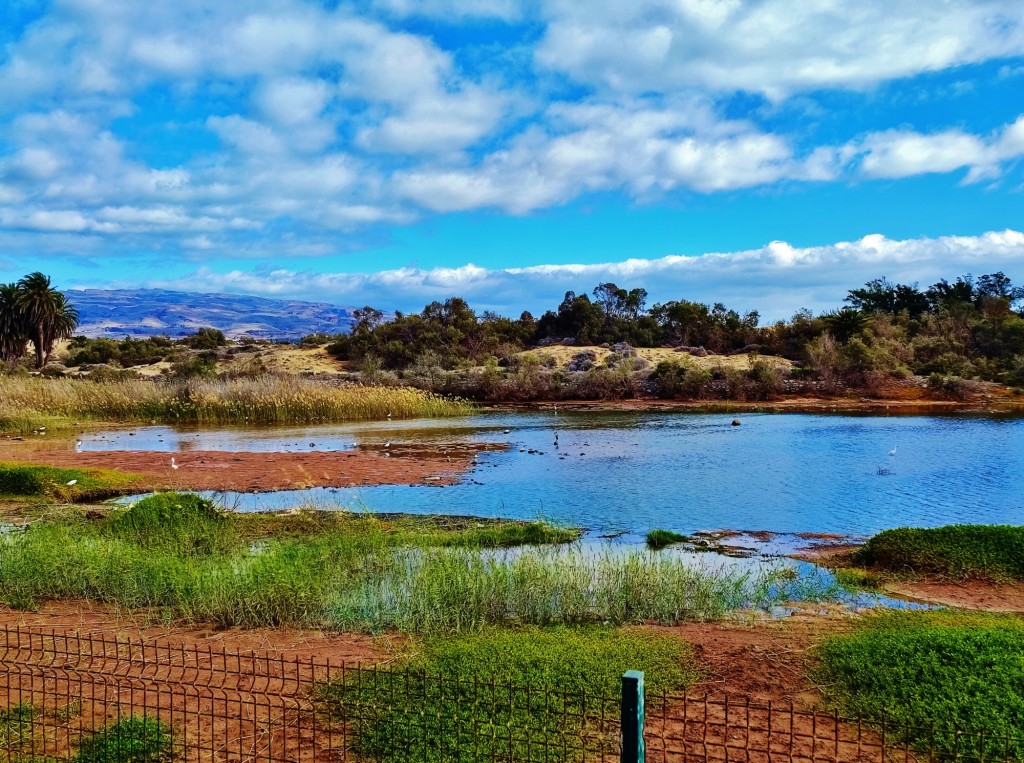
pixel 16 728
pixel 183 523
pixel 662 538
pixel 526 694
pixel 857 579
pixel 994 552
pixel 52 483
pixel 940 680
pixel 129 740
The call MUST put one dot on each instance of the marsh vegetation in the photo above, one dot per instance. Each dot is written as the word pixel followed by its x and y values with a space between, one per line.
pixel 180 557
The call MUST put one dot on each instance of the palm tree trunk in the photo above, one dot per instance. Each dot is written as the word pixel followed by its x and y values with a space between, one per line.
pixel 40 355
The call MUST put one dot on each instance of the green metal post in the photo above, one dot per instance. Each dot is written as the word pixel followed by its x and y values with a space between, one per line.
pixel 633 717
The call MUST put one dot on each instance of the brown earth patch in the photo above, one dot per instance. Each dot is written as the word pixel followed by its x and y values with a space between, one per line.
pixel 95 620
pixel 220 470
pixel 965 594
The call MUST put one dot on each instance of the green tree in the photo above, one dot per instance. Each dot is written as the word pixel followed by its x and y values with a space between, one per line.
pixel 13 328
pixel 48 314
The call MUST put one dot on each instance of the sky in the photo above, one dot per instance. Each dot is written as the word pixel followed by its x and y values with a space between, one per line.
pixel 767 154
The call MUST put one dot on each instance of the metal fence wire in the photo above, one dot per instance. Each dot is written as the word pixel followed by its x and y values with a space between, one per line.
pixel 97 699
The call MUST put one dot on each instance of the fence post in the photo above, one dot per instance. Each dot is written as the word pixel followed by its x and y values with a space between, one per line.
pixel 632 717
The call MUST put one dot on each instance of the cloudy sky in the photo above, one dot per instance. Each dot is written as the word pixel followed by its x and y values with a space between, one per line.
pixel 766 153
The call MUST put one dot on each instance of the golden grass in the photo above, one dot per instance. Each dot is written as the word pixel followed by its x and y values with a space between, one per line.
pixel 25 403
pixel 655 355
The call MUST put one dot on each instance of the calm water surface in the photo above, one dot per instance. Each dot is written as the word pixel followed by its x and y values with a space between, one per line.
pixel 628 471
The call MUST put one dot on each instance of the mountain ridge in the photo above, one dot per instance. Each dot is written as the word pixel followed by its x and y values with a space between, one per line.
pixel 120 313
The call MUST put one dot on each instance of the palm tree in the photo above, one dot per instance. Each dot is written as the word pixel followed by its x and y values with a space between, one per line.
pixel 845 323
pixel 47 312
pixel 13 328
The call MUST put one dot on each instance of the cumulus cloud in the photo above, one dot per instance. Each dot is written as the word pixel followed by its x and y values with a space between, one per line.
pixel 303 121
pixel 773 47
pixel 775 279
pixel 900 153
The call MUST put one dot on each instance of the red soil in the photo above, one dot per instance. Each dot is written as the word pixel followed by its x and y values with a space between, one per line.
pixel 220 470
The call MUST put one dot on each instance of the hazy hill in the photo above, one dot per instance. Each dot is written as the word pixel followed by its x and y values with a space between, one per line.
pixel 117 313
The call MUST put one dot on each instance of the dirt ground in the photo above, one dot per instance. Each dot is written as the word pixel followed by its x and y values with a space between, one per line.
pixel 91 619
pixel 966 594
pixel 761 659
pixel 221 470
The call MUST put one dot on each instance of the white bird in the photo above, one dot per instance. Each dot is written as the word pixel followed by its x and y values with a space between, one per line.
pixel 387 444
pixel 892 452
pixel 389 414
pixel 174 465
pixel 72 482
pixel 78 445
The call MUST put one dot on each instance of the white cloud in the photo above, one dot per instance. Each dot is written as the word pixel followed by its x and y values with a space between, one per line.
pixel 293 100
pixel 448 10
pixel 899 153
pixel 773 47
pixel 775 279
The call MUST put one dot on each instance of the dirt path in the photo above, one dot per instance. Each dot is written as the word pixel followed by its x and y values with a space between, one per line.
pixel 221 470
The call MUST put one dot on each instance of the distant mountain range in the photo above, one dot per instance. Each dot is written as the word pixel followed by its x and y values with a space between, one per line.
pixel 117 313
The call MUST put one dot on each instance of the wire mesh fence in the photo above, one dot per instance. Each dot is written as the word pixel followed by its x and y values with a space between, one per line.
pixel 96 699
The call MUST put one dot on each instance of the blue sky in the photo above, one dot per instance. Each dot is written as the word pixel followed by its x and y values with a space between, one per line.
pixel 765 153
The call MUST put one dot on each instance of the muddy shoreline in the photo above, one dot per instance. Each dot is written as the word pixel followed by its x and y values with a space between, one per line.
pixel 267 472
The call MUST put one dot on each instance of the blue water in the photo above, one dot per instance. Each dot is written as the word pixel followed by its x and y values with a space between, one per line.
pixel 682 471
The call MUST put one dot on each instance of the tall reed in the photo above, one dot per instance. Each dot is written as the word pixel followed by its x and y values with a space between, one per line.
pixel 28 402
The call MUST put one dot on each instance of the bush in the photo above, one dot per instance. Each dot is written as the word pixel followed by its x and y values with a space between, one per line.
pixel 183 522
pixel 205 339
pixel 955 551
pixel 195 367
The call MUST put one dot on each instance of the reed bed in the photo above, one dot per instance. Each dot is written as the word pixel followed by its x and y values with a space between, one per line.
pixel 26 403
pixel 180 557
pixel 455 590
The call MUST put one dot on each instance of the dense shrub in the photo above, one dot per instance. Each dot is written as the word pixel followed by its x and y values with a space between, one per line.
pixel 955 551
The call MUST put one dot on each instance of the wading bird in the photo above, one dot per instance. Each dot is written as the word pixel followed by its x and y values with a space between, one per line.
pixel 174 465
pixel 892 452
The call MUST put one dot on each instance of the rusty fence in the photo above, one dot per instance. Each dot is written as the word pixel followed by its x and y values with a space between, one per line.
pixel 95 699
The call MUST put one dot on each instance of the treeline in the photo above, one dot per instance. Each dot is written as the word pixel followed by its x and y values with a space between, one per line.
pixel 965 329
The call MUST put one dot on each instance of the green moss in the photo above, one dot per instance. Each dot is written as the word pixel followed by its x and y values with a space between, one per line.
pixel 525 694
pixel 945 680
pixel 955 551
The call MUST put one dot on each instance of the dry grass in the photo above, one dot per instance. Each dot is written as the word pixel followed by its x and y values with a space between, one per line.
pixel 655 355
pixel 25 403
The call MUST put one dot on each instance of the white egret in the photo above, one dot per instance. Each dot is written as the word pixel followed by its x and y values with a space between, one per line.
pixel 69 483
pixel 892 452
pixel 174 465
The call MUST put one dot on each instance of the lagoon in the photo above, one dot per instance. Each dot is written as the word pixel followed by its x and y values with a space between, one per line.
pixel 634 471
